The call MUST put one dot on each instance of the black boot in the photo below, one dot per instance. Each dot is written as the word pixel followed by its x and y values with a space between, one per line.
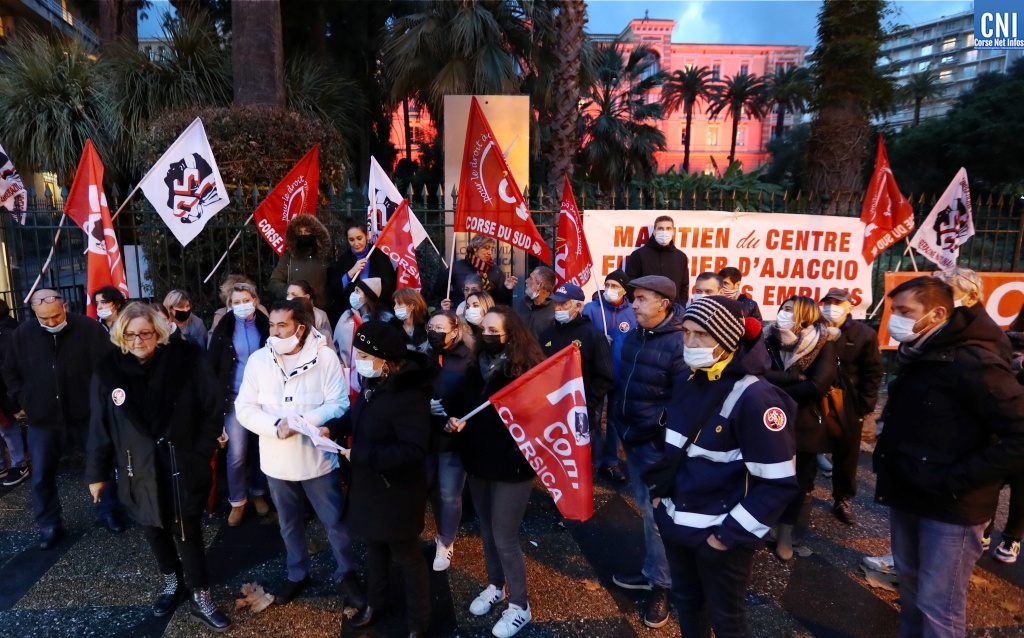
pixel 351 592
pixel 168 601
pixel 366 617
pixel 203 610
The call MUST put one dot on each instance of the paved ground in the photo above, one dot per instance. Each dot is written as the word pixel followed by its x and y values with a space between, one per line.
pixel 98 584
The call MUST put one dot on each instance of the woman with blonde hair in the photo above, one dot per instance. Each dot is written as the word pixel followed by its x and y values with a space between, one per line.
pixel 801 344
pixel 155 418
pixel 477 305
pixel 480 260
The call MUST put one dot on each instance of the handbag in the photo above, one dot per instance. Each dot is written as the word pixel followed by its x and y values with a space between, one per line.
pixel 832 411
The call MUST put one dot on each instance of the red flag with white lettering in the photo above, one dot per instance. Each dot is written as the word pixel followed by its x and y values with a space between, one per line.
pixel 87 205
pixel 887 215
pixel 396 242
pixel 490 202
pixel 293 195
pixel 545 411
pixel 573 262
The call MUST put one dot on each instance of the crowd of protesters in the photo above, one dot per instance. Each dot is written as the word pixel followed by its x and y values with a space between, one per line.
pixel 716 419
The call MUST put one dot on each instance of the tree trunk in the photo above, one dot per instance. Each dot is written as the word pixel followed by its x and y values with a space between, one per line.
pixel 118 21
pixel 257 53
pixel 564 119
pixel 686 145
pixel 917 111
pixel 780 122
pixel 408 130
pixel 836 151
pixel 735 132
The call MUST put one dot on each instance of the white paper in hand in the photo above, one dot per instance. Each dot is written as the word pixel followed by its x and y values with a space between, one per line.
pixel 302 426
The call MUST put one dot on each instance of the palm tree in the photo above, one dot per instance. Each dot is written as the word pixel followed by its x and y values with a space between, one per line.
pixel 736 95
pixel 789 90
pixel 257 53
pixel 619 136
pixel 920 87
pixel 564 88
pixel 683 89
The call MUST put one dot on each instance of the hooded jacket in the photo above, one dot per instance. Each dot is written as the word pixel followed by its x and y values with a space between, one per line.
pixel 739 472
pixel 48 374
pixel 651 359
pixel 595 355
pixel 668 261
pixel 390 428
pixel 619 321
pixel 314 389
pixel 149 419
pixel 953 425
pixel 296 264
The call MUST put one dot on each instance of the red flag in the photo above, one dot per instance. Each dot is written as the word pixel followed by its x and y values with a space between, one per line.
pixel 396 242
pixel 887 215
pixel 553 432
pixel 573 262
pixel 87 205
pixel 293 195
pixel 490 202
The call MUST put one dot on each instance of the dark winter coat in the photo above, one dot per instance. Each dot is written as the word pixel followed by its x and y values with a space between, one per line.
pixel 48 374
pixel 462 269
pixel 953 425
pixel 390 428
pixel 8 325
pixel 338 292
pixel 595 355
pixel 750 307
pixel 807 388
pixel 224 359
pixel 668 261
pixel 449 383
pixel 619 322
pixel 861 362
pixel 538 317
pixel 148 419
pixel 296 264
pixel 651 359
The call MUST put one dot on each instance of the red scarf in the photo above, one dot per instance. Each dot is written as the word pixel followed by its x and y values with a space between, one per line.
pixel 481 267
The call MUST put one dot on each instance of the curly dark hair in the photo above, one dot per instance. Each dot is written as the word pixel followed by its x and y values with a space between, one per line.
pixel 113 295
pixel 521 349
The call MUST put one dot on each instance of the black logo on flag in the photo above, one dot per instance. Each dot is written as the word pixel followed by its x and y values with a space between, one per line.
pixel 191 187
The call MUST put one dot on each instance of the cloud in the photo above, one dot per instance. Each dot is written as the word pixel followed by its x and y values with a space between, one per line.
pixel 693 24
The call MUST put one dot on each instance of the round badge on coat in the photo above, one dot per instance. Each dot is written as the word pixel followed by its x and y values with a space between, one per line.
pixel 774 419
pixel 118 396
pixel 624 327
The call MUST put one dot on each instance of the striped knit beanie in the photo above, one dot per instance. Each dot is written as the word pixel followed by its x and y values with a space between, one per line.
pixel 721 317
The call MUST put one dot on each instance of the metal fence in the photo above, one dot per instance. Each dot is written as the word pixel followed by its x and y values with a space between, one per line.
pixel 153 256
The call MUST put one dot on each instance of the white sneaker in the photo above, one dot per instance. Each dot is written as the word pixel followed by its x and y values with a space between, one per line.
pixel 487 598
pixel 512 620
pixel 1008 551
pixel 882 564
pixel 443 556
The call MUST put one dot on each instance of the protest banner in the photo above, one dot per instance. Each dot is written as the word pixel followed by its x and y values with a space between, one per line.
pixel 1004 296
pixel 779 255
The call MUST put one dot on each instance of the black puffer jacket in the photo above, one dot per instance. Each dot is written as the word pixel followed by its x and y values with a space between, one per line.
pixel 390 428
pixel 48 374
pixel 861 361
pixel 953 425
pixel 668 261
pixel 338 293
pixel 224 359
pixel 146 416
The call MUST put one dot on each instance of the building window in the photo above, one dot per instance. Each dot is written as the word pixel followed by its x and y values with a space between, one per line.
pixel 949 44
pixel 946 76
pixel 716 70
pixel 970 71
pixel 653 69
pixel 690 64
pixel 741 136
pixel 1 27
pixel 779 67
pixel 64 13
pixel 927 33
pixel 993 66
pixel 971 56
pixel 923 66
pixel 790 66
pixel 970 40
pixel 948 59
pixel 149 53
pixel 712 135
pixel 709 169
pixel 744 68
pixel 926 49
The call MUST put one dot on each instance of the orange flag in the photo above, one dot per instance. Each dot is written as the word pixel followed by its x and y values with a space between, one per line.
pixel 887 215
pixel 293 195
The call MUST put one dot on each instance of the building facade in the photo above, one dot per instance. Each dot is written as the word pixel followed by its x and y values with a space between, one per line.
pixel 45 16
pixel 946 48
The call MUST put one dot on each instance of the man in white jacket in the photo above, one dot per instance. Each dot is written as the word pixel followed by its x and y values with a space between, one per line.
pixel 298 374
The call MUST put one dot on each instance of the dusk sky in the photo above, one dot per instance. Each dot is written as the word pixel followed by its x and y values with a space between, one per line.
pixel 714 21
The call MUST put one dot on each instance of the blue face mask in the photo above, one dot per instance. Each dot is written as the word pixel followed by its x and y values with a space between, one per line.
pixel 55 329
pixel 355 301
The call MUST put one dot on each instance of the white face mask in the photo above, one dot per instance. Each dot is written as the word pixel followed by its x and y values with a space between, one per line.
pixel 356 301
pixel 365 368
pixel 902 328
pixel 731 293
pixel 532 295
pixel 284 345
pixel 563 316
pixel 104 313
pixel 834 313
pixel 663 237
pixel 243 310
pixel 958 303
pixel 784 320
pixel 401 313
pixel 699 357
pixel 612 296
pixel 473 316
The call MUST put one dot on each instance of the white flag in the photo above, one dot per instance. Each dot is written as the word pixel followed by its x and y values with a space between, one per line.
pixel 12 190
pixel 948 226
pixel 184 185
pixel 384 200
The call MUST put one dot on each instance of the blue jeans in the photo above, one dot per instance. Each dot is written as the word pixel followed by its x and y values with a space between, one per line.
pixel 11 439
pixel 934 562
pixel 46 447
pixel 324 492
pixel 603 449
pixel 243 445
pixel 448 478
pixel 638 459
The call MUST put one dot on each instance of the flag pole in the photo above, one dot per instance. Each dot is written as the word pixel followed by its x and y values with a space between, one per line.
pixel 899 265
pixel 230 246
pixel 913 261
pixel 46 264
pixel 480 408
pixel 600 302
pixel 451 267
pixel 372 248
pixel 127 199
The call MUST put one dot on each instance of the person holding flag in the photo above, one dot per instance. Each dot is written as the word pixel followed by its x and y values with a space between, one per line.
pixel 500 477
pixel 360 261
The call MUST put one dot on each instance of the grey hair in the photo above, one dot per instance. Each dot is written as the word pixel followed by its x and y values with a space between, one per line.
pixel 962 280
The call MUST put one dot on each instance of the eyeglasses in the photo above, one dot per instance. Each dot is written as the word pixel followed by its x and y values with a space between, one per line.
pixel 50 299
pixel 440 329
pixel 130 337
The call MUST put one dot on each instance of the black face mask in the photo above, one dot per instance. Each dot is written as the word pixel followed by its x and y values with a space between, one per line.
pixel 305 242
pixel 438 341
pixel 181 316
pixel 492 344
